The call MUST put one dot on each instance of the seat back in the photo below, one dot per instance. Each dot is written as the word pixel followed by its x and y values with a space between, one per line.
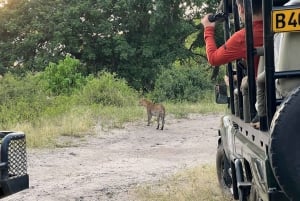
pixel 288 59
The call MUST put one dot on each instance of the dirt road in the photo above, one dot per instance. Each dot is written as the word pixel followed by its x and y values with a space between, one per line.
pixel 108 165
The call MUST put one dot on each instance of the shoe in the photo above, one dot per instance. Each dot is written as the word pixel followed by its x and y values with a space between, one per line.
pixel 255 119
pixel 255 125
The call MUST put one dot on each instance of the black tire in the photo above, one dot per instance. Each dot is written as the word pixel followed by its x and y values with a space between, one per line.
pixel 223 167
pixel 284 146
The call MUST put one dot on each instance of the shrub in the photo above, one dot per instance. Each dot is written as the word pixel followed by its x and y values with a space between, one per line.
pixel 64 77
pixel 21 99
pixel 182 83
pixel 107 89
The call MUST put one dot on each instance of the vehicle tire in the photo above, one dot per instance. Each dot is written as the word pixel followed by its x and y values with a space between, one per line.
pixel 223 167
pixel 284 146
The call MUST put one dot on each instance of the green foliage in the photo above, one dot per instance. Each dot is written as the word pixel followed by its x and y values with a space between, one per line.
pixel 25 106
pixel 134 39
pixel 182 83
pixel 106 90
pixel 25 100
pixel 205 105
pixel 21 99
pixel 57 105
pixel 64 77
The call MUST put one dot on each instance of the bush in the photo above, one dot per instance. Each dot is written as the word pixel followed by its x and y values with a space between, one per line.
pixel 107 89
pixel 64 77
pixel 21 99
pixel 182 83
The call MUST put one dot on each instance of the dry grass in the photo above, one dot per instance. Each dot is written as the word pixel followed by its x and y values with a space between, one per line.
pixel 196 184
pixel 46 131
pixel 78 122
pixel 81 120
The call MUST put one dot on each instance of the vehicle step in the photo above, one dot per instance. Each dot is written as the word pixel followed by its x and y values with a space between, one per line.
pixel 244 184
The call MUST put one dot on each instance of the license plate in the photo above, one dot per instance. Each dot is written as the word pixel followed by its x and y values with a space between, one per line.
pixel 287 20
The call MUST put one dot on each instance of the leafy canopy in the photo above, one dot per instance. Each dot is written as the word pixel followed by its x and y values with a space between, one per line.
pixel 134 38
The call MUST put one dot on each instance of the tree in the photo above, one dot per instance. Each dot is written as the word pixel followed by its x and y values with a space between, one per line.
pixel 134 38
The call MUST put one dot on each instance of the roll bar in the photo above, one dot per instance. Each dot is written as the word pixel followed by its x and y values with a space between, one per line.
pixel 250 57
pixel 267 50
pixel 269 61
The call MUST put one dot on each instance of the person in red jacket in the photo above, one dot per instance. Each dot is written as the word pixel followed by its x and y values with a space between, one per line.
pixel 235 47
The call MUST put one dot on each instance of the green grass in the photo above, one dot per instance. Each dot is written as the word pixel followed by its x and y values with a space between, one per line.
pixel 181 110
pixel 196 184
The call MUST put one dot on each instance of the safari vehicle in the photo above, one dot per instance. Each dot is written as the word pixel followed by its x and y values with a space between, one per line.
pixel 13 163
pixel 262 164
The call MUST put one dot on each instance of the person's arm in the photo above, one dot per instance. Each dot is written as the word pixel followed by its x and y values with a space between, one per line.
pixel 233 49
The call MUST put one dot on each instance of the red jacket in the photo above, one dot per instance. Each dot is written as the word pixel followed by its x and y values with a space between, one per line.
pixel 235 46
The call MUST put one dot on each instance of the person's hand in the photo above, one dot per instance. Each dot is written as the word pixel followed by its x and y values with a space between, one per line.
pixel 226 80
pixel 206 23
pixel 244 84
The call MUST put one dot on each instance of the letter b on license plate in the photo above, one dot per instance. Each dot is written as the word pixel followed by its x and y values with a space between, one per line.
pixel 286 20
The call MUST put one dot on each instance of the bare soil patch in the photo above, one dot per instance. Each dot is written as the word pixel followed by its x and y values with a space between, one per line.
pixel 110 164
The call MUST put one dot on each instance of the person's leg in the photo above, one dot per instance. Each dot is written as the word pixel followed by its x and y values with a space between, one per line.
pixel 260 122
pixel 260 95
